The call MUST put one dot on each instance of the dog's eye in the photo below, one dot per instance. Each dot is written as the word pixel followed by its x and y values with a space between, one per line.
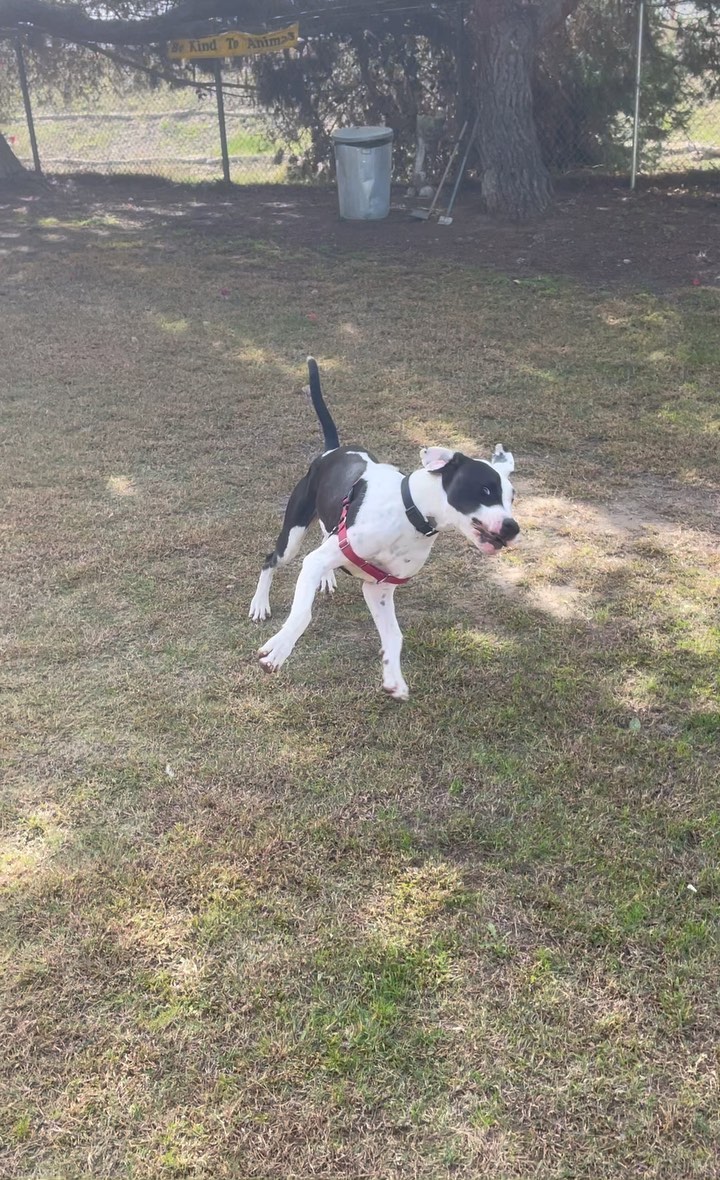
pixel 485 492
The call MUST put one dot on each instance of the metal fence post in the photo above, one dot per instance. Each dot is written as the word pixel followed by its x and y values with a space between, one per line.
pixel 461 63
pixel 221 121
pixel 638 78
pixel 26 102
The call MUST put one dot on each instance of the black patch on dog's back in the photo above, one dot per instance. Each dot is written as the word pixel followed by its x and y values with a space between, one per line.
pixel 471 484
pixel 335 476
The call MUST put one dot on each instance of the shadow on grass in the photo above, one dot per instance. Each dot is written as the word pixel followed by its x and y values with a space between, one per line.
pixel 257 926
pixel 338 905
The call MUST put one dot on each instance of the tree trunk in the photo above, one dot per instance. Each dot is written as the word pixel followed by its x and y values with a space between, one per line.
pixel 514 179
pixel 9 163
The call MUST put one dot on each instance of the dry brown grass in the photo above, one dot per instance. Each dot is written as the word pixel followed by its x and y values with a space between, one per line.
pixel 259 927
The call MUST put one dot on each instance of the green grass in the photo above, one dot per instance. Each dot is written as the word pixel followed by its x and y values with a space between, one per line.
pixel 281 927
pixel 696 145
pixel 248 143
pixel 704 126
pixel 171 134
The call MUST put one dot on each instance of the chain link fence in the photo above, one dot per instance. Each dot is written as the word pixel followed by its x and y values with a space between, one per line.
pixel 169 132
pixel 695 145
pixel 684 139
pixel 172 132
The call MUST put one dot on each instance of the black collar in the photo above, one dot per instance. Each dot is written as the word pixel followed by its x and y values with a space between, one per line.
pixel 413 513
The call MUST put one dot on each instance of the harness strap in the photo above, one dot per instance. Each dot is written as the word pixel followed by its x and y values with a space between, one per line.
pixel 413 513
pixel 373 571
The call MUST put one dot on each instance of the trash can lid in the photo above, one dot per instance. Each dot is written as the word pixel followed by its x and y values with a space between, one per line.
pixel 363 136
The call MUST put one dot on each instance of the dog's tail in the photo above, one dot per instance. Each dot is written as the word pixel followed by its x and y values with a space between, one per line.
pixel 330 433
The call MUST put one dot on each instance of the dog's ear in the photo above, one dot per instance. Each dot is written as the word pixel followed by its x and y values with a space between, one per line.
pixel 503 460
pixel 435 458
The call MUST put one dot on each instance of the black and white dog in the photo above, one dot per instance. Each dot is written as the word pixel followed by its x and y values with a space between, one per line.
pixel 380 526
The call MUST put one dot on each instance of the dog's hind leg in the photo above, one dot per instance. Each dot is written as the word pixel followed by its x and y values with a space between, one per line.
pixel 299 515
pixel 315 569
pixel 380 599
pixel 328 585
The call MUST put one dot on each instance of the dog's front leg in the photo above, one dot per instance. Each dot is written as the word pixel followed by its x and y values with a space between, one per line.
pixel 381 604
pixel 316 568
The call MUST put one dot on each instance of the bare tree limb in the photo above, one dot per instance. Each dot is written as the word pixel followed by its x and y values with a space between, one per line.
pixel 72 23
pixel 192 17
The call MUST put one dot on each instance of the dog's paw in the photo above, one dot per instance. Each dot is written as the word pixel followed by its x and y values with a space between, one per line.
pixel 274 653
pixel 398 691
pixel 259 609
pixel 328 585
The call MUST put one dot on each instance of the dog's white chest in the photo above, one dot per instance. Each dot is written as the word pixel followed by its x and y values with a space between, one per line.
pixel 382 533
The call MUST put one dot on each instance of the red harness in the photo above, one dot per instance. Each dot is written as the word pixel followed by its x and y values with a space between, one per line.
pixel 350 555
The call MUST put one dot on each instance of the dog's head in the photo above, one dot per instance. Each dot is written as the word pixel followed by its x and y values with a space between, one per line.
pixel 478 495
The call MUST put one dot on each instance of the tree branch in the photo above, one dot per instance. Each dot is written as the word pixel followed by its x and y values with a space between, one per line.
pixel 71 22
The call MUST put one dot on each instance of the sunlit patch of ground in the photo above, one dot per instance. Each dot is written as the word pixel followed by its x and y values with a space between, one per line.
pixel 282 927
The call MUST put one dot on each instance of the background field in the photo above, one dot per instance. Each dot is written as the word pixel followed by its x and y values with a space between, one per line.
pixel 173 133
pixel 164 132
pixel 284 927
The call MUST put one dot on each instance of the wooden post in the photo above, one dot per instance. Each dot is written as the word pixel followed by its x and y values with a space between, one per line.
pixel 221 121
pixel 28 108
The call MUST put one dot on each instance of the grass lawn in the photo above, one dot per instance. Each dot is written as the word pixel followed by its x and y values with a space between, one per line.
pixel 284 927
pixel 161 132
pixel 696 145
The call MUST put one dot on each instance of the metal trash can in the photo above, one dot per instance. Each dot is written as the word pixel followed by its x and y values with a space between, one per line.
pixel 363 159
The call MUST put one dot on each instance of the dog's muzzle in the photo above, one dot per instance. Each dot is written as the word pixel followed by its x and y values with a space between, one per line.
pixel 491 542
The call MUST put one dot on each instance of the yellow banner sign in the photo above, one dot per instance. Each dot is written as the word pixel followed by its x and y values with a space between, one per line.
pixel 234 44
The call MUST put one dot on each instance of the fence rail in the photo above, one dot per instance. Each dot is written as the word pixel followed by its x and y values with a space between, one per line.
pixel 178 142
pixel 173 133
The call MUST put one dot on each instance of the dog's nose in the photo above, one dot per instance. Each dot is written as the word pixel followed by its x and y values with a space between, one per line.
pixel 510 529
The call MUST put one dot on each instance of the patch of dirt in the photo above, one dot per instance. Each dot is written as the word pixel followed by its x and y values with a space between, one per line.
pixel 663 237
